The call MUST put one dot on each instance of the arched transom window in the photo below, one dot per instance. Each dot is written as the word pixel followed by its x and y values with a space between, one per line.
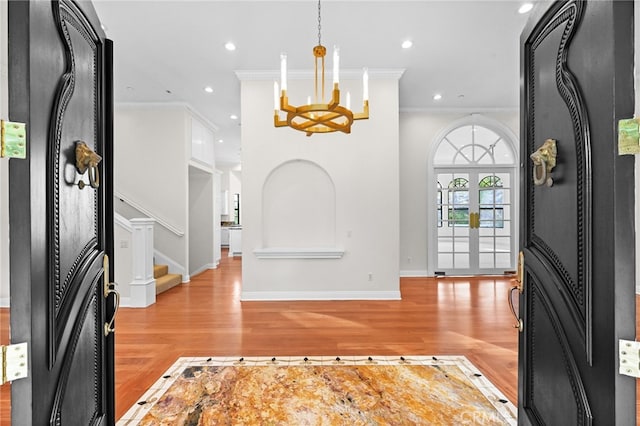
pixel 473 145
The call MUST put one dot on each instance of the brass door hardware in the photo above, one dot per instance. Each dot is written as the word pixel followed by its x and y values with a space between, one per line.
pixel 474 220
pixel 544 160
pixel 13 139
pixel 109 288
pixel 86 159
pixel 14 362
pixel 520 288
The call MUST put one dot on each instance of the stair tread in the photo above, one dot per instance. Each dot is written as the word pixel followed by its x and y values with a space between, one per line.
pixel 167 282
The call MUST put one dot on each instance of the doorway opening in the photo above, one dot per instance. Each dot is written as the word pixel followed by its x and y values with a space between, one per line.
pixel 473 221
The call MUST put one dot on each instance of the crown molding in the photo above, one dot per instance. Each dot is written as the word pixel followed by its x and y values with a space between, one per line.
pixel 168 105
pixel 458 110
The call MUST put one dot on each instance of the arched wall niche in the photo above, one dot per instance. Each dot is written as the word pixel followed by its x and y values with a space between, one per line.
pixel 299 207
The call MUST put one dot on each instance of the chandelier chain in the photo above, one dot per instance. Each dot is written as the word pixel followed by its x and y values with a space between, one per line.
pixel 319 26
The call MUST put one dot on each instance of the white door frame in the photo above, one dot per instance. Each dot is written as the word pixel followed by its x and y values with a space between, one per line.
pixel 508 136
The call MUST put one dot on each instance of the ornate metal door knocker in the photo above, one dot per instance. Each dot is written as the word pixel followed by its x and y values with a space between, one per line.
pixel 544 160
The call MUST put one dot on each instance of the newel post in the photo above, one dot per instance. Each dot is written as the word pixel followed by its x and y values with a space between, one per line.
pixel 143 286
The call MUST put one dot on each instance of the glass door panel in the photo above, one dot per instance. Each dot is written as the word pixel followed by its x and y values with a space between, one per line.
pixel 474 222
pixel 453 220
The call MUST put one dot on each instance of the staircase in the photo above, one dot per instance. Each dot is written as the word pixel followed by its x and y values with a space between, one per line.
pixel 165 280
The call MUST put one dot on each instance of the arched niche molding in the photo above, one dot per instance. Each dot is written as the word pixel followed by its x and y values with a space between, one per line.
pixel 298 212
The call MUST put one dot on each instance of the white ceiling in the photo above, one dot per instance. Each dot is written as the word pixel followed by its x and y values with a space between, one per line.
pixel 169 51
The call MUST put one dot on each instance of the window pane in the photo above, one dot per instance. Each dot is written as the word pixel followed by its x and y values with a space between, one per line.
pixel 503 153
pixel 458 216
pixel 487 245
pixel 503 260
pixel 486 261
pixel 460 137
pixel 461 261
pixel 461 245
pixel 445 261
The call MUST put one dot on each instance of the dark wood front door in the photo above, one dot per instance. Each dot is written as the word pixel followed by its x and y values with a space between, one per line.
pixel 577 235
pixel 60 86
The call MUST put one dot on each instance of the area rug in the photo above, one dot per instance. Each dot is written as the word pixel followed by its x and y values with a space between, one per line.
pixel 415 390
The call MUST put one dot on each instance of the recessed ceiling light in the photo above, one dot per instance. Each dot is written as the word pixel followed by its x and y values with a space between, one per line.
pixel 526 7
pixel 230 46
pixel 208 89
pixel 233 117
pixel 437 97
pixel 220 140
pixel 407 44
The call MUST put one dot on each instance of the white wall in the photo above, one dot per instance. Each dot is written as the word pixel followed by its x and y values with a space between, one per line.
pixel 4 163
pixel 418 131
pixel 364 169
pixel 151 150
pixel 124 267
pixel 201 218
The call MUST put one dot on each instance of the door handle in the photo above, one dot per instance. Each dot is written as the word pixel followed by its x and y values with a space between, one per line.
pixel 109 289
pixel 474 220
pixel 519 286
pixel 519 324
pixel 86 159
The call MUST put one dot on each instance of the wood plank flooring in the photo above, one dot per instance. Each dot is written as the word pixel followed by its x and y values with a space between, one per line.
pixel 443 316
pixel 203 318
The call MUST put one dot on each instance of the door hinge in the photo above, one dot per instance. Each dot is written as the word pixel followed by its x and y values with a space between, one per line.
pixel 14 360
pixel 13 139
pixel 629 352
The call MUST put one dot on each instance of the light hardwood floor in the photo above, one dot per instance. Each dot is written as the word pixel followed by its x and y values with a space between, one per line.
pixel 435 317
pixel 444 316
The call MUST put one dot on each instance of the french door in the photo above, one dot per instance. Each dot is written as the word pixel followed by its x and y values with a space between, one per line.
pixel 474 221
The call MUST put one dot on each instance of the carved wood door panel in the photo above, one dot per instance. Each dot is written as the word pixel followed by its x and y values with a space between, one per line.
pixel 61 232
pixel 577 235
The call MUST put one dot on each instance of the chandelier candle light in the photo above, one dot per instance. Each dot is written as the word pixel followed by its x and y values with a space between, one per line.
pixel 318 117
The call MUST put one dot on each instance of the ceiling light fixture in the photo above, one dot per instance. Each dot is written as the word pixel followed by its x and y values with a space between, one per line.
pixel 437 97
pixel 407 44
pixel 233 117
pixel 318 117
pixel 208 89
pixel 230 46
pixel 526 7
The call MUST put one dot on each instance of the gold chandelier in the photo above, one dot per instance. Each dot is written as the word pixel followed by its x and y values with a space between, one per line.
pixel 319 117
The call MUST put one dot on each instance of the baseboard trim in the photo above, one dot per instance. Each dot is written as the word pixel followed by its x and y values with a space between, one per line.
pixel 318 295
pixel 125 302
pixel 204 268
pixel 416 273
pixel 5 302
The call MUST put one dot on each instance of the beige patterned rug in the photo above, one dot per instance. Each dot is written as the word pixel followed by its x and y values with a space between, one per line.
pixel 415 390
